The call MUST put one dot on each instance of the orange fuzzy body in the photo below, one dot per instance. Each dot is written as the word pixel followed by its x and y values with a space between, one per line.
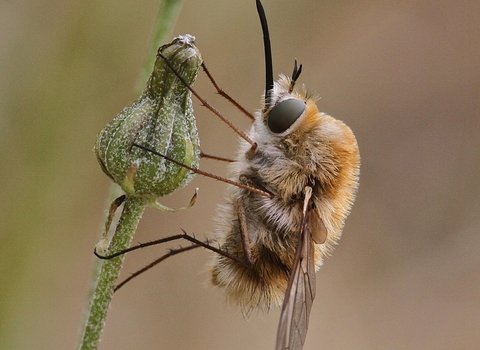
pixel 316 150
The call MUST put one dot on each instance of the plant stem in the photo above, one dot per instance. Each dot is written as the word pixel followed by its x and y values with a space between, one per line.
pixel 105 273
pixel 110 269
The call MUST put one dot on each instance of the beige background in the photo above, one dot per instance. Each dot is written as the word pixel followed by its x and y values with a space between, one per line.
pixel 404 75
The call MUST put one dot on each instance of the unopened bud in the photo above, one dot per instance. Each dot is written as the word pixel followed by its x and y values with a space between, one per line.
pixel 161 119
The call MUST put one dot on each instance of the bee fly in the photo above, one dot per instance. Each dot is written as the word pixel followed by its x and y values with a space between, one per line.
pixel 295 180
pixel 309 162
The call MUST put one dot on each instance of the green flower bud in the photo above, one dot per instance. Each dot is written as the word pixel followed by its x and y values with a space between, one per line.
pixel 161 119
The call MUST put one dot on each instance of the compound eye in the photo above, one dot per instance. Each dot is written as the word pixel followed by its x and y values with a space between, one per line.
pixel 284 114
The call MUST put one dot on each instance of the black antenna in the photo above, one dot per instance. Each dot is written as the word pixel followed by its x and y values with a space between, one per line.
pixel 268 54
pixel 296 73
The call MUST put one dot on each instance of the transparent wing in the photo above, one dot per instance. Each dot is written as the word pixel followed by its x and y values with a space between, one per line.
pixel 293 325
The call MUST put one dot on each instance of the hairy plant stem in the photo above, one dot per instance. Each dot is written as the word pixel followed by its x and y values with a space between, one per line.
pixel 106 272
pixel 109 271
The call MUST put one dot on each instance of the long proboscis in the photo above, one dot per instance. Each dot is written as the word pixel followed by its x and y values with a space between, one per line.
pixel 268 54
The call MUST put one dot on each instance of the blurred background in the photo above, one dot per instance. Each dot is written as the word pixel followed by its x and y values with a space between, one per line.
pixel 405 76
